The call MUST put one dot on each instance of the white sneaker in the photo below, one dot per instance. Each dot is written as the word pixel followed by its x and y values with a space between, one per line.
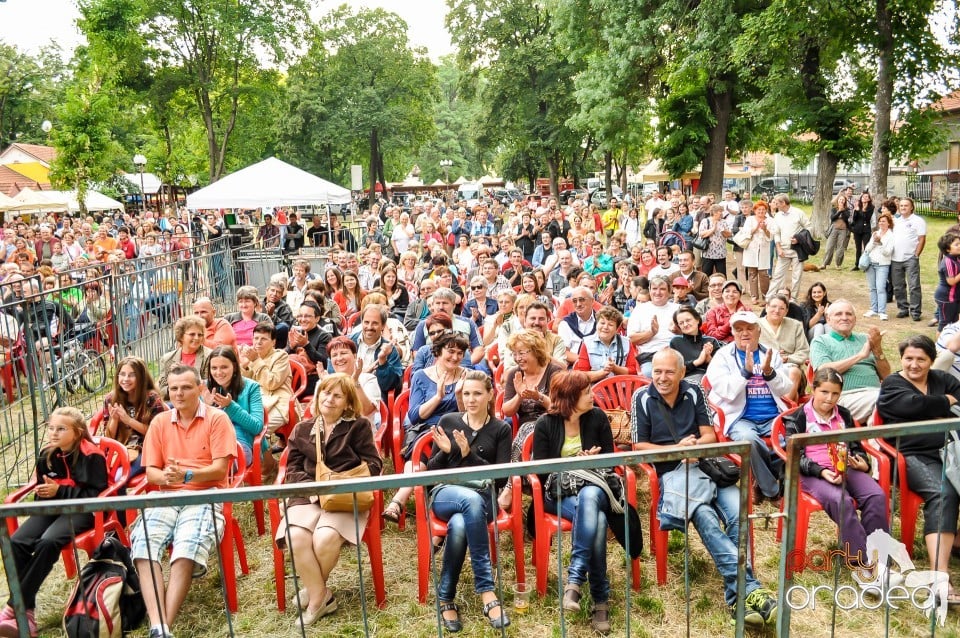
pixel 869 313
pixel 883 316
pixel 873 587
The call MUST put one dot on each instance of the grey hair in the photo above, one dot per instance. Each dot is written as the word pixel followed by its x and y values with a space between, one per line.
pixel 444 293
pixel 681 364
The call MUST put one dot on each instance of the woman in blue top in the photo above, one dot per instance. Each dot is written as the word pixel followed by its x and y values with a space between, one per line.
pixel 434 391
pixel 239 397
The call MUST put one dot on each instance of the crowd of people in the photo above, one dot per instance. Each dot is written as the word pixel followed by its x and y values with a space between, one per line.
pixel 452 306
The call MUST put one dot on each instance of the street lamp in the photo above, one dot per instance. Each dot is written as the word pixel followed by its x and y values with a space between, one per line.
pixel 445 164
pixel 140 162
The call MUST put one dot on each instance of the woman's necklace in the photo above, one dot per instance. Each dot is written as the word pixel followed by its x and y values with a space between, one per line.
pixel 475 428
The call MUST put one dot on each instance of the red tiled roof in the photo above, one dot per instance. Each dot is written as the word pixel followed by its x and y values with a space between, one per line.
pixel 12 182
pixel 45 154
pixel 948 103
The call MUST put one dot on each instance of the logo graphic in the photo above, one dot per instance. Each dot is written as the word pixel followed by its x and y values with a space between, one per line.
pixel 926 590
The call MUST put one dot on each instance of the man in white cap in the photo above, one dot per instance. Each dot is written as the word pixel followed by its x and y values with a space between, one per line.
pixel 747 383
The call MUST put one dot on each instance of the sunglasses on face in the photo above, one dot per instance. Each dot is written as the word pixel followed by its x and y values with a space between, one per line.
pixel 476 287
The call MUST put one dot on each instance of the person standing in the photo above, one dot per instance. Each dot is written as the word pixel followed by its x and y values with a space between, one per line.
pixel 909 239
pixel 861 225
pixel 788 221
pixel 839 234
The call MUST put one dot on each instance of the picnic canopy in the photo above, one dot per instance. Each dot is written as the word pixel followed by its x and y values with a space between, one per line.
pixel 268 184
pixel 95 200
pixel 37 202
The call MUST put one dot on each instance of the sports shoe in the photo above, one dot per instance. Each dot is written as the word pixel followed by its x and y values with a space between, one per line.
pixel 160 632
pixel 903 314
pixel 869 313
pixel 763 604
pixel 874 586
pixel 883 316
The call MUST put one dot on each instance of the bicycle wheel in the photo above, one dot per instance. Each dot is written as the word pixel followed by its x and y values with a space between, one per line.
pixel 93 371
pixel 69 375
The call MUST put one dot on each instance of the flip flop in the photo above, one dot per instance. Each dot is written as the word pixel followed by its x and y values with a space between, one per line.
pixel 393 511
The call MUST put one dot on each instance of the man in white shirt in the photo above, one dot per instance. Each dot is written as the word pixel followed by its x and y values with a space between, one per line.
pixel 665 267
pixel 650 327
pixel 788 221
pixel 909 239
pixel 579 323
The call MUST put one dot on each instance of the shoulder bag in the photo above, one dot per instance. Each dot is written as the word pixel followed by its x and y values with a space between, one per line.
pixel 721 470
pixel 340 502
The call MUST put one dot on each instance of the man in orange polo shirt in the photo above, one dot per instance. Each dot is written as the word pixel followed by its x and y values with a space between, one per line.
pixel 188 448
pixel 219 332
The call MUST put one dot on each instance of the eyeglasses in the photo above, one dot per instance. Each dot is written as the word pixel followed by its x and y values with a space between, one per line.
pixel 477 287
pixel 436 333
pixel 579 300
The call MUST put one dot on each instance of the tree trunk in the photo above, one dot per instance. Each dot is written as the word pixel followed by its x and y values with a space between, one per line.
pixel 827 164
pixel 622 172
pixel 880 154
pixel 715 155
pixel 608 173
pixel 554 173
pixel 373 164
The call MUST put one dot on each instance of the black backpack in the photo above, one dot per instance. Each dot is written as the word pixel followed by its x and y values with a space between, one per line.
pixel 106 601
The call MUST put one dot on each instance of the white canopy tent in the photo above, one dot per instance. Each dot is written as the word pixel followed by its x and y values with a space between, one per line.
pixel 29 200
pixel 95 200
pixel 268 184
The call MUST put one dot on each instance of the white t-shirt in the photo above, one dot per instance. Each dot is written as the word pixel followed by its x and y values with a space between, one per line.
pixel 907 232
pixel 641 317
pixel 672 270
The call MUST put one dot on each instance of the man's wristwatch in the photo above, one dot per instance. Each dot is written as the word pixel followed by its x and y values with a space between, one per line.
pixel 188 476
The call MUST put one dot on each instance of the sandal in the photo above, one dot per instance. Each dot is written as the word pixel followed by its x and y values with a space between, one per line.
pixel 500 621
pixel 393 511
pixel 452 625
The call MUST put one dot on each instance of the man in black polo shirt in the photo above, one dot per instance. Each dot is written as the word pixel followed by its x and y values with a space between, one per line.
pixel 671 412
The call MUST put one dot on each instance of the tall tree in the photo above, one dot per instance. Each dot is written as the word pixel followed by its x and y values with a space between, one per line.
pixel 360 90
pixel 83 135
pixel 212 46
pixel 526 92
pixel 912 63
pixel 816 87
pixel 29 87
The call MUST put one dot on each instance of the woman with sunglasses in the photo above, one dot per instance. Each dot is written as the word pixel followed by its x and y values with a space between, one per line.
pixel 480 306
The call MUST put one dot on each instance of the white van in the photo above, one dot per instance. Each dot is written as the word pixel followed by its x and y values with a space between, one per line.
pixel 470 191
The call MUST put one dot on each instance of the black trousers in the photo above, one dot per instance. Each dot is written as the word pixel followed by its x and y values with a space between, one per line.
pixel 36 548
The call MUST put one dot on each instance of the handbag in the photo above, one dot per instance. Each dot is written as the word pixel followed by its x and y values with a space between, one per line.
pixel 620 426
pixel 865 261
pixel 340 502
pixel 700 243
pixel 572 481
pixel 720 470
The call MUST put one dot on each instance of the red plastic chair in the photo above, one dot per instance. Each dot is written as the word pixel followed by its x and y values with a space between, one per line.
pixel 298 379
pixel 498 378
pixel 118 470
pixel 11 367
pixel 400 408
pixel 910 502
pixel 371 537
pixel 806 504
pixel 407 373
pixel 547 524
pixel 384 436
pixel 95 422
pixel 429 526
pixel 498 412
pixel 617 391
pixel 493 355
pixel 232 537
pixel 254 474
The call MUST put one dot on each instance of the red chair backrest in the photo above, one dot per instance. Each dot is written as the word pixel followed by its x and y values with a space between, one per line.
pixel 118 462
pixel 527 453
pixel 298 377
pixel 422 448
pixel 779 430
pixel 617 391
pixel 95 422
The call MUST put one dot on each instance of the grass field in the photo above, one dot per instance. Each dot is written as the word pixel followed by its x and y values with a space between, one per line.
pixel 655 611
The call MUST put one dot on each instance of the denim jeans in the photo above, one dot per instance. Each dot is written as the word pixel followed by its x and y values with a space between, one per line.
pixel 877 284
pixel 765 464
pixel 588 559
pixel 467 513
pixel 721 543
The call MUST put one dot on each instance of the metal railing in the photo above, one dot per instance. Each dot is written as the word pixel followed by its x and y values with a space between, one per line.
pixel 145 297
pixel 794 446
pixel 455 476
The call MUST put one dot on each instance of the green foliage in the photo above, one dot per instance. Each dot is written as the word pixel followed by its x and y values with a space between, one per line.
pixel 29 87
pixel 359 90
pixel 86 148
pixel 526 94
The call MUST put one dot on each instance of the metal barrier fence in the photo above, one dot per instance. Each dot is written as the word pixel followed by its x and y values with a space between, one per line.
pixel 138 302
pixel 844 597
pixel 456 476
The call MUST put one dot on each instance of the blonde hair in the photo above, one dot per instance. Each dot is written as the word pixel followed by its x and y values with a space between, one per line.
pixel 532 340
pixel 346 384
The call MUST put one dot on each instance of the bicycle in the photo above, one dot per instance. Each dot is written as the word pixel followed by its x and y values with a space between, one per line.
pixel 805 195
pixel 78 367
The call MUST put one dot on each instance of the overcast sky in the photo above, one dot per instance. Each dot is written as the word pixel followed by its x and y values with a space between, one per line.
pixel 30 24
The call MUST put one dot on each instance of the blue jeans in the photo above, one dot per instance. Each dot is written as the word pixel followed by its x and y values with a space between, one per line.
pixel 877 284
pixel 467 513
pixel 765 464
pixel 721 543
pixel 588 559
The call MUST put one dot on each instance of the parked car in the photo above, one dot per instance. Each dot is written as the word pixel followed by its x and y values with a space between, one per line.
pixel 599 196
pixel 840 184
pixel 772 185
pixel 565 195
